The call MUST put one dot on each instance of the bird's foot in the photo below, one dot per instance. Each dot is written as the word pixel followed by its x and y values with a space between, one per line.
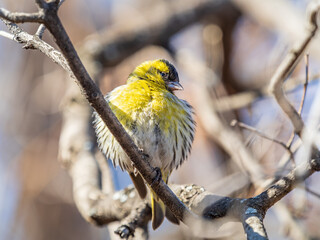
pixel 124 231
pixel 157 176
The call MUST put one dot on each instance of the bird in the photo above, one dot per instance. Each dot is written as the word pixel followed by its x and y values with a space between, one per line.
pixel 159 123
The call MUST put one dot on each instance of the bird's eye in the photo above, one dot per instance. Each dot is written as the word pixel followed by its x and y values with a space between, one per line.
pixel 164 75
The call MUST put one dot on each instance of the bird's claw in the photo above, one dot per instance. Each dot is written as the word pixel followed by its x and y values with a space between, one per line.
pixel 124 231
pixel 157 178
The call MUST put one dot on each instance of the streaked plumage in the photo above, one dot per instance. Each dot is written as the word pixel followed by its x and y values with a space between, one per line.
pixel 159 123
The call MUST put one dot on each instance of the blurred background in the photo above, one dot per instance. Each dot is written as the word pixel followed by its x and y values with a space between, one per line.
pixel 225 53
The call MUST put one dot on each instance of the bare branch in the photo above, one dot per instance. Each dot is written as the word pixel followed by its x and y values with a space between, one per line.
pixel 21 17
pixel 253 225
pixel 286 67
pixel 287 183
pixel 251 211
pixel 39 33
pixel 305 85
pixel 7 35
pixel 254 130
pixel 214 208
pixel 312 192
pixel 284 161
pixel 261 134
pixel 34 42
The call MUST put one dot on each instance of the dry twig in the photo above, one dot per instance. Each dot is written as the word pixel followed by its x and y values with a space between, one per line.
pixel 261 134
pixel 287 66
pixel 305 85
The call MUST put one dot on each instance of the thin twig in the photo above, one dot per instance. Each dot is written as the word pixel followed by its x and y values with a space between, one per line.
pixel 261 134
pixel 305 85
pixel 257 206
pixel 312 192
pixel 20 36
pixel 7 35
pixel 40 31
pixel 286 67
pixel 17 17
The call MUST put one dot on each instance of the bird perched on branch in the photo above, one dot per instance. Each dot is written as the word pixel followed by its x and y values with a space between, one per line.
pixel 159 123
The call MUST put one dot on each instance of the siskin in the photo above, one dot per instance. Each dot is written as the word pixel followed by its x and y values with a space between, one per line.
pixel 158 122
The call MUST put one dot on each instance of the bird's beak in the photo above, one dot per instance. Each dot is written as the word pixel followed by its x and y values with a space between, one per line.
pixel 174 86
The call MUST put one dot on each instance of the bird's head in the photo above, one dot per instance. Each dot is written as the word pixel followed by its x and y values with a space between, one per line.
pixel 160 72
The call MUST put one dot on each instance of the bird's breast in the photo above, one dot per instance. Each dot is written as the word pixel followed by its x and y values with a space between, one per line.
pixel 158 122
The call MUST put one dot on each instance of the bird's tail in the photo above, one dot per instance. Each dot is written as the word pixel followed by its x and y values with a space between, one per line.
pixel 159 210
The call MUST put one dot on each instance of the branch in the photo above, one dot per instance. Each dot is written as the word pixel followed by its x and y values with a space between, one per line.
pixel 283 186
pixel 287 66
pixel 7 35
pixel 34 42
pixel 317 195
pixel 261 134
pixel 216 209
pixel 305 85
pixel 253 225
pixel 219 209
pixel 21 17
pixel 252 211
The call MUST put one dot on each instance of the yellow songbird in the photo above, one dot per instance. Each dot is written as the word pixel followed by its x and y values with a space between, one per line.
pixel 158 122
